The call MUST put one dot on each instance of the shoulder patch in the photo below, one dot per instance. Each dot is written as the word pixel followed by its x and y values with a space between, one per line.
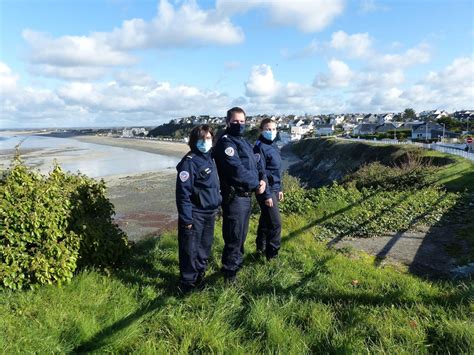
pixel 258 142
pixel 183 176
pixel 229 151
pixel 257 156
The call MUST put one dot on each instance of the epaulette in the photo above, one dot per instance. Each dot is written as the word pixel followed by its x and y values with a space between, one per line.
pixel 190 155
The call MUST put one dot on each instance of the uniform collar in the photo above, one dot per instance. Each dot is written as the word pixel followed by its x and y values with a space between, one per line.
pixel 201 154
pixel 264 140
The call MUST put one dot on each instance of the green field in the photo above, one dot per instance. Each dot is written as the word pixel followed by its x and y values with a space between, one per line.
pixel 312 299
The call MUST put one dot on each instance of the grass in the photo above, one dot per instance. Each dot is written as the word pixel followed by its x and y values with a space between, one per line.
pixel 458 175
pixel 311 300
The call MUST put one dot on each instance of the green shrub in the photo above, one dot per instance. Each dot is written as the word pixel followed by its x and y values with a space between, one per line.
pixel 295 196
pixel 413 172
pixel 50 225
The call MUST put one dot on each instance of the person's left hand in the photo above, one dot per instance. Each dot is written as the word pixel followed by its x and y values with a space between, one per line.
pixel 280 196
pixel 261 187
pixel 269 202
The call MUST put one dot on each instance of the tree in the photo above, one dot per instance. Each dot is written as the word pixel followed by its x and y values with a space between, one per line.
pixel 450 123
pixel 409 114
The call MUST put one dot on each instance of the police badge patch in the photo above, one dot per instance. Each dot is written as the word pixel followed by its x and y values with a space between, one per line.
pixel 183 176
pixel 229 151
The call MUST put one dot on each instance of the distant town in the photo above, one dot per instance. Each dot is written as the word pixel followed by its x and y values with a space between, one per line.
pixel 428 126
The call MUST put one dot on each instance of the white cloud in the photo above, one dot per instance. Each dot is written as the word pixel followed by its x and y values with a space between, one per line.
pixel 186 26
pixel 340 75
pixel 306 15
pixel 128 100
pixel 73 51
pixel 417 55
pixel 8 80
pixel 90 57
pixel 357 45
pixel 261 82
pixel 134 78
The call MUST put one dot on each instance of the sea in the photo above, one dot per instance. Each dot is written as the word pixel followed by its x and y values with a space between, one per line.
pixel 93 160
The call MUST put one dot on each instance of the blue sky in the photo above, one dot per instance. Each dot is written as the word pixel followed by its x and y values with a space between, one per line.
pixel 143 62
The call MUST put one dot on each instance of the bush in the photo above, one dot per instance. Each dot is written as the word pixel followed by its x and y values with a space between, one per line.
pixel 413 173
pixel 50 225
pixel 295 198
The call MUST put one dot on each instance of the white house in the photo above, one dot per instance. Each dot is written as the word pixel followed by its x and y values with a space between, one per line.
pixel 324 130
pixel 298 131
pixel 336 120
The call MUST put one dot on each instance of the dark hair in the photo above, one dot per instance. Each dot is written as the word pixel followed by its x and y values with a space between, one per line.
pixel 265 121
pixel 232 111
pixel 199 132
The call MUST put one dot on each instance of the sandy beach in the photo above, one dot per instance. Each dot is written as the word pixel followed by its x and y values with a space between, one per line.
pixel 176 149
pixel 144 202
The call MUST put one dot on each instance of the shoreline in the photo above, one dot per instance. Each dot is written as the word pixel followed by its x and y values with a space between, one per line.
pixel 175 149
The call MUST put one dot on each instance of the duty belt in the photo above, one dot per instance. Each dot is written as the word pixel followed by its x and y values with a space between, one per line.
pixel 243 193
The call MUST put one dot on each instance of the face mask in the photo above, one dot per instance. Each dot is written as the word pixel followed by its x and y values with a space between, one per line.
pixel 236 129
pixel 204 145
pixel 269 135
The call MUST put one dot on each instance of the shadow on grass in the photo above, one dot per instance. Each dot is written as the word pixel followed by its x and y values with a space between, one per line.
pixel 382 254
pixel 435 257
pixel 298 232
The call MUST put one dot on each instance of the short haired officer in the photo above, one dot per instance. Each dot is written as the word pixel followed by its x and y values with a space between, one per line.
pixel 269 225
pixel 198 199
pixel 240 175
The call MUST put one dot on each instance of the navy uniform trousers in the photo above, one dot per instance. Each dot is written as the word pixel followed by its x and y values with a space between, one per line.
pixel 235 225
pixel 269 228
pixel 195 246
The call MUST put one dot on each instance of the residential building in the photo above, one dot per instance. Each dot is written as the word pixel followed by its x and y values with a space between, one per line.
pixel 324 130
pixel 365 128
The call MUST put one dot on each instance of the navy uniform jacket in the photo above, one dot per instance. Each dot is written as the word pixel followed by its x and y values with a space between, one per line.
pixel 271 162
pixel 197 186
pixel 237 165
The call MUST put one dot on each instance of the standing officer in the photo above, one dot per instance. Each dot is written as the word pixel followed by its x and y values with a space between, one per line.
pixel 197 198
pixel 269 225
pixel 240 174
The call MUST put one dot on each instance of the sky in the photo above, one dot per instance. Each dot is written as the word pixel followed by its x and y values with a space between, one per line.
pixel 98 63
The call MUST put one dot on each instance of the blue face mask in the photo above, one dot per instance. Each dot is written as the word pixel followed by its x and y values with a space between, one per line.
pixel 269 135
pixel 236 129
pixel 204 145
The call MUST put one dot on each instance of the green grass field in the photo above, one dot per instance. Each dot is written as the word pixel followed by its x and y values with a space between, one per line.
pixel 311 300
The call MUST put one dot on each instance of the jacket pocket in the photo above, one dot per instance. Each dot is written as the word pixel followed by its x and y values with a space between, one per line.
pixel 210 198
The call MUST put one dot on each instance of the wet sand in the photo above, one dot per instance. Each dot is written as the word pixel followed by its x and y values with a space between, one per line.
pixel 144 203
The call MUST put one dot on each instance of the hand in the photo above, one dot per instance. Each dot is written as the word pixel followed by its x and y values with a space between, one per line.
pixel 280 196
pixel 188 226
pixel 269 202
pixel 261 187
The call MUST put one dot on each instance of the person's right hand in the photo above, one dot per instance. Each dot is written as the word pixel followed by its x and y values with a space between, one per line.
pixel 188 226
pixel 269 202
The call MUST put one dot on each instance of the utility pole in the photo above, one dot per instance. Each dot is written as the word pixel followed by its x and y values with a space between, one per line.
pixel 426 131
pixel 444 128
